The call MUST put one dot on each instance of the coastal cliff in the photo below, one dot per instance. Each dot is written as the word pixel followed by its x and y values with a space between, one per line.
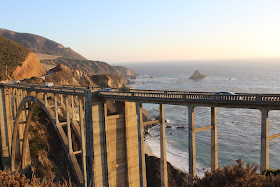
pixel 125 71
pixel 90 66
pixel 63 75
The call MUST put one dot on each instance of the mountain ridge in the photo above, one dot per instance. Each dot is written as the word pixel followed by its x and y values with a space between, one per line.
pixel 40 44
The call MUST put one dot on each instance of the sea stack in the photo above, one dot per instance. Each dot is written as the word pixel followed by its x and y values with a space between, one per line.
pixel 197 75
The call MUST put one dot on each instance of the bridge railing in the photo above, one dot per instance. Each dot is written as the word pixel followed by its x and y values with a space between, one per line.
pixel 40 88
pixel 154 94
pixel 196 96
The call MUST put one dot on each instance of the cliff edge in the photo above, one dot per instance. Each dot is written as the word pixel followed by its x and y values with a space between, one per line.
pixel 125 71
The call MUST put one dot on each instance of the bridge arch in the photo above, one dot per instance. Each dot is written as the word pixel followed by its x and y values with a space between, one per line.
pixel 23 148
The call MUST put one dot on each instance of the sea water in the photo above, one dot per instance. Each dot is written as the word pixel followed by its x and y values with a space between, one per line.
pixel 239 130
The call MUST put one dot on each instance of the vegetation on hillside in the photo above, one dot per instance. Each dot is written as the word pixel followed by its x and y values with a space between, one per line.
pixel 11 54
pixel 237 174
pixel 8 179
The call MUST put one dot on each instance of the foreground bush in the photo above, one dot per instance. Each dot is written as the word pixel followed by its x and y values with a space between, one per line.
pixel 8 179
pixel 238 175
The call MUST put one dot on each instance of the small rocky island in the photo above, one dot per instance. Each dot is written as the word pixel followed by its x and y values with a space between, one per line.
pixel 197 75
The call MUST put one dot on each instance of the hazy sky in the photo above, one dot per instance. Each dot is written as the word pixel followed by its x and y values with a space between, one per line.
pixel 152 30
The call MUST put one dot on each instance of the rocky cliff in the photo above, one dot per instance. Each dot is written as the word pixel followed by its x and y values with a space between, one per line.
pixel 63 75
pixel 20 62
pixel 89 66
pixel 125 71
pixel 40 44
pixel 31 67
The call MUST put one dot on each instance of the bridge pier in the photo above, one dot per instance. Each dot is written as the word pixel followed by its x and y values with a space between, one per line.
pixel 3 129
pixel 264 140
pixel 96 158
pixel 214 140
pixel 9 116
pixel 163 162
pixel 142 162
pixel 192 147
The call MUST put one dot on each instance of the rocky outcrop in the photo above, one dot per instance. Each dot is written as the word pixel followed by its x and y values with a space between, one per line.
pixel 175 177
pixel 107 80
pixel 63 75
pixel 88 66
pixel 197 75
pixel 31 67
pixel 40 44
pixel 125 71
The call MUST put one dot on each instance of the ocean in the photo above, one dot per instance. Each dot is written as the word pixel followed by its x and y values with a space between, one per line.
pixel 239 130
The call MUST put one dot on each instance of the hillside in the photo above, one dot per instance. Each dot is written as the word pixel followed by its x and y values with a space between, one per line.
pixel 52 53
pixel 39 44
pixel 125 71
pixel 21 62
pixel 63 75
pixel 89 66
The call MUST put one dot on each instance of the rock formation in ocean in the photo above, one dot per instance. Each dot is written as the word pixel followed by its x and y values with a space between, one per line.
pixel 197 75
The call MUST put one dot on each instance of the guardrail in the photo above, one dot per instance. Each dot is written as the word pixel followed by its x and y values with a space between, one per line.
pixel 195 96
pixel 155 94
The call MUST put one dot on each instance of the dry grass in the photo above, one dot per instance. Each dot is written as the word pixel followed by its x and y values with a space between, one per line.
pixel 8 179
pixel 238 174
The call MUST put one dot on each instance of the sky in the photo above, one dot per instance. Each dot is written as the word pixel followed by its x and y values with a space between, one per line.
pixel 152 30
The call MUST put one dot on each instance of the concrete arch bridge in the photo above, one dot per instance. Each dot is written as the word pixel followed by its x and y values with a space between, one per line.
pixel 111 151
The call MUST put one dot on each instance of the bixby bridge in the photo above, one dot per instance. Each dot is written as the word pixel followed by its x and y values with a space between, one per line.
pixel 111 151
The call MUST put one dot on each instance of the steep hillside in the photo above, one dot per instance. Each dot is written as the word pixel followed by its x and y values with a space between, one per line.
pixel 21 62
pixel 125 71
pixel 63 75
pixel 88 66
pixel 40 44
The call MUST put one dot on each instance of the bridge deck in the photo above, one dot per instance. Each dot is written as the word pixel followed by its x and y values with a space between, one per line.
pixel 240 100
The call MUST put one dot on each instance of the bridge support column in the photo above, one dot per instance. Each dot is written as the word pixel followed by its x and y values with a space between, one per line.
pixel 9 117
pixel 70 148
pixel 214 140
pixel 142 163
pixel 95 115
pixel 83 141
pixel 132 145
pixel 3 128
pixel 192 148
pixel 264 140
pixel 163 162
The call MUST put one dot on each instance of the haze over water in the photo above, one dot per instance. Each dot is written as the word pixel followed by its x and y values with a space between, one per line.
pixel 238 129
